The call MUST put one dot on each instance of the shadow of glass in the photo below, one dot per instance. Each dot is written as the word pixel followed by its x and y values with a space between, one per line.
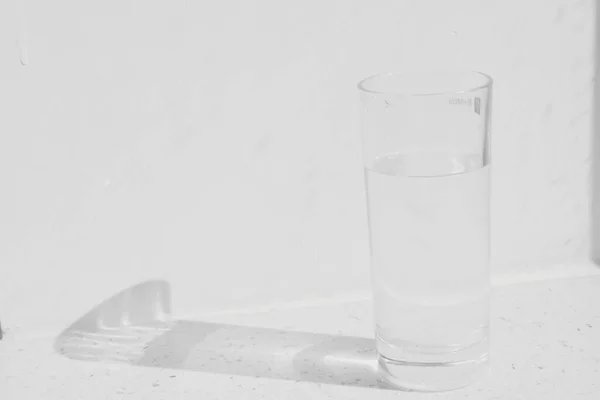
pixel 135 327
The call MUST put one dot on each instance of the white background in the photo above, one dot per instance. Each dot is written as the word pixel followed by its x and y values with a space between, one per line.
pixel 215 144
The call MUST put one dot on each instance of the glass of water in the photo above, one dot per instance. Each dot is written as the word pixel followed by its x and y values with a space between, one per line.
pixel 426 151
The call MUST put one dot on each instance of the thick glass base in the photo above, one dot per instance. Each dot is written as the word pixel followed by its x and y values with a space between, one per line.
pixel 434 372
pixel 431 377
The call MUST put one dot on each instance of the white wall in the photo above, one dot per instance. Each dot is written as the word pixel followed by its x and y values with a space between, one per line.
pixel 215 144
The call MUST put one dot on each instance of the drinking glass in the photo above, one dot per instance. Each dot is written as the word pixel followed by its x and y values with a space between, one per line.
pixel 426 152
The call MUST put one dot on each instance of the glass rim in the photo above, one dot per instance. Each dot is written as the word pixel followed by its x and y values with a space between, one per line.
pixel 487 83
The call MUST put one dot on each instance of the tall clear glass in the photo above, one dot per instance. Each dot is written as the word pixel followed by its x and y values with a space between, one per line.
pixel 426 151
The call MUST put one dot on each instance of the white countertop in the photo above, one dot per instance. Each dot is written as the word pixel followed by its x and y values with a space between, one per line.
pixel 545 345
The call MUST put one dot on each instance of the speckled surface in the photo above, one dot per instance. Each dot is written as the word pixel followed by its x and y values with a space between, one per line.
pixel 544 346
